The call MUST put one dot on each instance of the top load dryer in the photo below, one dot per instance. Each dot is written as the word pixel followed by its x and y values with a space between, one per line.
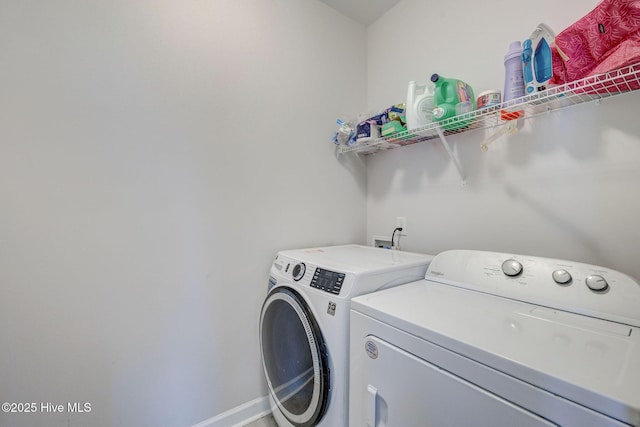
pixel 498 340
pixel 304 325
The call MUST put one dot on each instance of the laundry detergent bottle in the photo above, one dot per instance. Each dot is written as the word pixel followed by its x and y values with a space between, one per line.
pixel 419 109
pixel 451 98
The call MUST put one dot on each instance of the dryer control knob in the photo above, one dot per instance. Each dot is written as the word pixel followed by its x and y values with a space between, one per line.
pixel 298 271
pixel 561 277
pixel 511 267
pixel 597 283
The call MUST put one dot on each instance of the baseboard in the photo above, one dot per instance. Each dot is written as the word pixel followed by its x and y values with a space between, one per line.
pixel 240 415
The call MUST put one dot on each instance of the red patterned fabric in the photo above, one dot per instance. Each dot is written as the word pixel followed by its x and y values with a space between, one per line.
pixel 605 39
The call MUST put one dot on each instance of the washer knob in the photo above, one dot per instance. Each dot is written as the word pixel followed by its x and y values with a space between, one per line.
pixel 561 277
pixel 596 283
pixel 511 267
pixel 298 271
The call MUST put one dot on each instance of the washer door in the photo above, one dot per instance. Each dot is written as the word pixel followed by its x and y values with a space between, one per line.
pixel 294 357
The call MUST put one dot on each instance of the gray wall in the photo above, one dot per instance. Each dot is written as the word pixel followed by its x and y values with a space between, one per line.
pixel 154 155
pixel 565 186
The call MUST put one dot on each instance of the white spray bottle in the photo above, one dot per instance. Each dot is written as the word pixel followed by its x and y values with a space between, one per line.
pixel 419 105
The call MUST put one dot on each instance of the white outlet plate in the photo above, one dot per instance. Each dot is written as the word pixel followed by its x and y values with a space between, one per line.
pixel 401 221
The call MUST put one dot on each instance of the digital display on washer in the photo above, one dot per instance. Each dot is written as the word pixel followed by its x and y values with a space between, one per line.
pixel 326 280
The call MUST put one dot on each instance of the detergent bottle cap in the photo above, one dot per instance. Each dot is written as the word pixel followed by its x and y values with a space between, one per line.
pixel 435 77
pixel 515 50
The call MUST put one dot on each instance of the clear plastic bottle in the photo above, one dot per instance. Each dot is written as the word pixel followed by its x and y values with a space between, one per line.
pixel 419 109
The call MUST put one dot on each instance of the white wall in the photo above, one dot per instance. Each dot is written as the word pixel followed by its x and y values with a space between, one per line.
pixel 154 155
pixel 566 186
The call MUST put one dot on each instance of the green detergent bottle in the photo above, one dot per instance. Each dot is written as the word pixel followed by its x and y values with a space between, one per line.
pixel 452 97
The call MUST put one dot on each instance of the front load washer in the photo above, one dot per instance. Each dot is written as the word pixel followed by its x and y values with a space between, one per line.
pixel 304 325
pixel 499 340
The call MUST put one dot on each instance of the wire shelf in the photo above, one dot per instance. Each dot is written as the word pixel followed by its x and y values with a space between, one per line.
pixel 622 80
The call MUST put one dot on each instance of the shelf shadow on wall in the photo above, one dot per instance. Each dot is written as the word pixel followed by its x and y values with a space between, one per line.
pixel 356 166
pixel 621 113
pixel 576 131
pixel 409 168
pixel 578 236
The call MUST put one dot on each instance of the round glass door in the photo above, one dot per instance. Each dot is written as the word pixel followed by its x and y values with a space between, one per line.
pixel 293 357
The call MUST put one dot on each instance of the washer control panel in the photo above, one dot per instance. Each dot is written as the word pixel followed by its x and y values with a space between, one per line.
pixel 326 280
pixel 564 285
pixel 310 275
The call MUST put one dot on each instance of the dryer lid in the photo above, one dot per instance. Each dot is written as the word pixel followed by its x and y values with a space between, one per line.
pixel 590 361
